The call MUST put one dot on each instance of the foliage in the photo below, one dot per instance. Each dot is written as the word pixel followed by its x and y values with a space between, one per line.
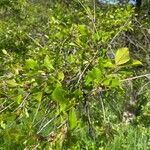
pixel 63 80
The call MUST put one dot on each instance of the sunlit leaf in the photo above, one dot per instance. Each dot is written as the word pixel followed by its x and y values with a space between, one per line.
pixel 31 64
pixel 3 125
pixel 111 82
pixel 82 29
pixel 108 64
pixel 136 63
pixel 122 56
pixel 19 98
pixel 93 76
pixel 61 76
pixel 59 95
pixel 11 83
pixel 4 52
pixel 26 113
pixel 38 96
pixel 48 63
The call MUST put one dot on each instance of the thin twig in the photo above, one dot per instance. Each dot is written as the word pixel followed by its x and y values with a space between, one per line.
pixel 86 67
pixel 63 123
pixel 137 77
pixel 115 36
pixel 36 42
pixel 103 108
pixel 46 124
pixel 87 113
pixel 23 102
pixel 37 110
pixel 142 88
pixel 7 107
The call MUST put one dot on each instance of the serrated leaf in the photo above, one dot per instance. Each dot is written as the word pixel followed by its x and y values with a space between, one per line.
pixel 122 56
pixel 59 95
pixel 48 63
pixel 72 118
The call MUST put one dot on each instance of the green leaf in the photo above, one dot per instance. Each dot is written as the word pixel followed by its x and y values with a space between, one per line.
pixel 108 64
pixel 3 125
pixel 72 59
pixel 122 56
pixel 111 82
pixel 19 98
pixel 82 29
pixel 4 52
pixel 38 96
pixel 11 83
pixel 93 76
pixel 72 118
pixel 48 63
pixel 26 113
pixel 61 76
pixel 136 63
pixel 78 93
pixel 31 64
pixel 59 95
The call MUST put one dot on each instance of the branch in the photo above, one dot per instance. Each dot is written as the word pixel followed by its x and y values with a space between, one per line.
pixel 137 77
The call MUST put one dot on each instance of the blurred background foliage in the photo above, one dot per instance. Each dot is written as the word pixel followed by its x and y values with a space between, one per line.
pixel 74 75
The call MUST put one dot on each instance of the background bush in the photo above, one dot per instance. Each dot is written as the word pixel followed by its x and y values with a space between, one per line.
pixel 73 75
